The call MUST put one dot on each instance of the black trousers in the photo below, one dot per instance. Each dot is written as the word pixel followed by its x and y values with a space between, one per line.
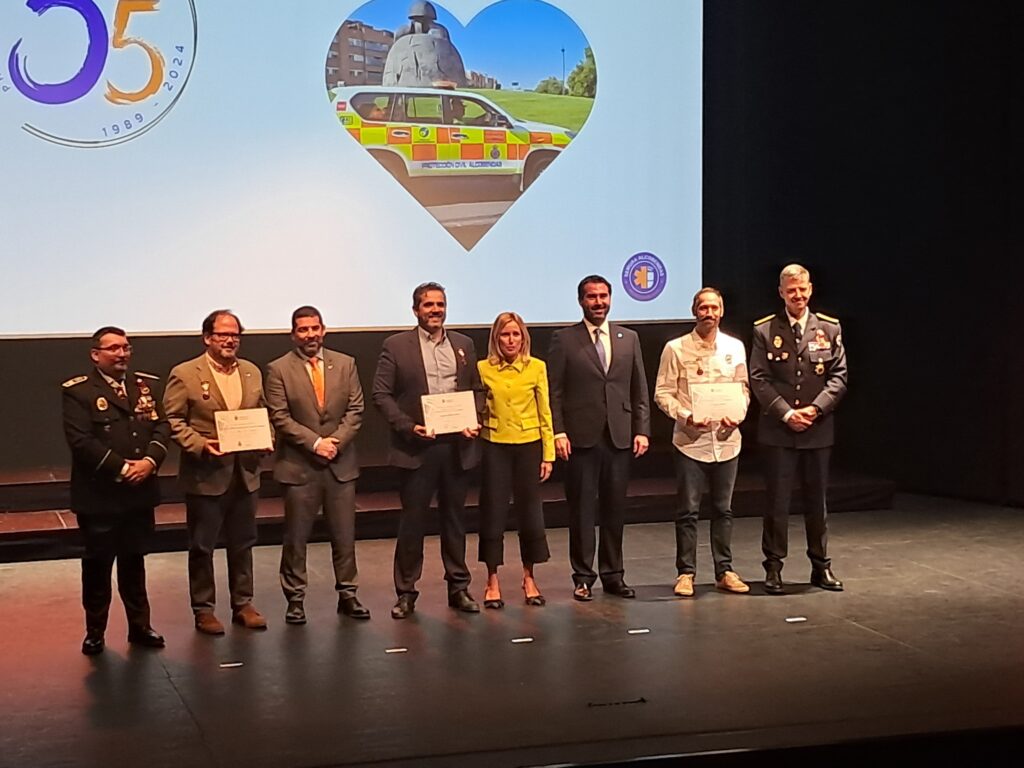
pixel 595 487
pixel 512 471
pixel 234 513
pixel 784 465
pixel 440 472
pixel 122 538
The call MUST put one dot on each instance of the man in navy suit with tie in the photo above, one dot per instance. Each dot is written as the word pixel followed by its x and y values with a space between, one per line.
pixel 601 410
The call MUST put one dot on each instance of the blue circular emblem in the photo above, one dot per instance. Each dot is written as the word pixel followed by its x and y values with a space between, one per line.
pixel 644 276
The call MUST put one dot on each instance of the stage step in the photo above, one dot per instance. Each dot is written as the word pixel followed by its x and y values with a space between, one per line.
pixel 52 534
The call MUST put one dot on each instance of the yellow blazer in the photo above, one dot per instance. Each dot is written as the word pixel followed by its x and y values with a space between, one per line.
pixel 517 408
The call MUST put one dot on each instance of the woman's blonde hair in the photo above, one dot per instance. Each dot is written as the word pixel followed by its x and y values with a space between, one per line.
pixel 494 356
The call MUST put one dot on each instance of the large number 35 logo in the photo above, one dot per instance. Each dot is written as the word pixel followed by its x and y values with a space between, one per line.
pixel 96 55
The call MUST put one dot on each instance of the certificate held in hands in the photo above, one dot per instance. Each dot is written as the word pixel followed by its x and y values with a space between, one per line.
pixel 450 412
pixel 247 429
pixel 717 401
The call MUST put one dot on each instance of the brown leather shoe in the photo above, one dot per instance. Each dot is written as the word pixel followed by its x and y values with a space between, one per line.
pixel 249 617
pixel 684 585
pixel 731 582
pixel 208 624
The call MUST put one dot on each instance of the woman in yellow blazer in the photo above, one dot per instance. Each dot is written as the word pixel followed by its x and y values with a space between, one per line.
pixel 519 449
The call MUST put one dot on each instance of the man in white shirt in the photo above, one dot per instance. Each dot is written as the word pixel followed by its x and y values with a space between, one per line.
pixel 708 449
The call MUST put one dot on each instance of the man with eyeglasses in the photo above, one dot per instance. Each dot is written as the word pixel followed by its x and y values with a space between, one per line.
pixel 118 437
pixel 220 488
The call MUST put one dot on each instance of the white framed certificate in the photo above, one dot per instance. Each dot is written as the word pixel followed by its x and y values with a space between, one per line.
pixel 247 429
pixel 450 412
pixel 717 401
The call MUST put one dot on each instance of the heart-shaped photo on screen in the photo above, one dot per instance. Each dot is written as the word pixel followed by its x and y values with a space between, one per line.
pixel 465 118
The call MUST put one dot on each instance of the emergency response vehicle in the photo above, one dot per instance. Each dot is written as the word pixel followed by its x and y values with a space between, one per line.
pixel 418 133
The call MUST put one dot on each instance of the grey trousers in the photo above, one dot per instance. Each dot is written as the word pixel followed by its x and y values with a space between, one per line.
pixel 302 504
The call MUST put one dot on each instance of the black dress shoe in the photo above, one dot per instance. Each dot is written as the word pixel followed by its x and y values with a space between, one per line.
pixel 463 601
pixel 296 613
pixel 146 637
pixel 351 607
pixel 404 608
pixel 93 643
pixel 582 593
pixel 773 581
pixel 622 589
pixel 825 579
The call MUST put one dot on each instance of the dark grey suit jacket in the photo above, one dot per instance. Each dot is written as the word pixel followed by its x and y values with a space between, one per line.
pixel 585 400
pixel 400 382
pixel 300 422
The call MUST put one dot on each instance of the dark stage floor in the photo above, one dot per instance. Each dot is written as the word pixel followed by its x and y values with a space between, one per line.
pixel 926 639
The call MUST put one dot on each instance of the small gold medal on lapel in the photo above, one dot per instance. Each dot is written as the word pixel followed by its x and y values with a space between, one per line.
pixel 777 342
pixel 784 356
pixel 771 356
pixel 101 403
pixel 820 368
pixel 206 389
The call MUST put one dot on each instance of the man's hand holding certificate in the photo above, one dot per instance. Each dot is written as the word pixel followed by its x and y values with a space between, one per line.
pixel 449 413
pixel 717 401
pixel 247 429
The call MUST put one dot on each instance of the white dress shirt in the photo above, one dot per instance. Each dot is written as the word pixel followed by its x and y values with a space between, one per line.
pixel 606 339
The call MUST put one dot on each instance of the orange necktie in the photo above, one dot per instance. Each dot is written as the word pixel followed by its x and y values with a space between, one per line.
pixel 318 380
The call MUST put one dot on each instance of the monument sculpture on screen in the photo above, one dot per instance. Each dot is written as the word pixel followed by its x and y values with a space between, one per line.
pixel 423 54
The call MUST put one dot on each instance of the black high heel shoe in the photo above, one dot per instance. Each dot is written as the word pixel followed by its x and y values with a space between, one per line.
pixel 535 599
pixel 495 604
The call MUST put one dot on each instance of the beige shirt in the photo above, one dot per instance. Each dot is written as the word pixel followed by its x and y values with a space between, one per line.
pixel 229 384
pixel 690 359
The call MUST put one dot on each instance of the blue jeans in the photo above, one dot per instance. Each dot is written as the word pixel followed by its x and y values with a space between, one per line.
pixel 721 478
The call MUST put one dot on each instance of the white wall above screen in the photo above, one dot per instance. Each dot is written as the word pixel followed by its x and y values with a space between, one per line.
pixel 132 200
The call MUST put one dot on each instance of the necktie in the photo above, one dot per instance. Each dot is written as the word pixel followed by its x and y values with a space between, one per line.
pixel 318 380
pixel 796 331
pixel 600 350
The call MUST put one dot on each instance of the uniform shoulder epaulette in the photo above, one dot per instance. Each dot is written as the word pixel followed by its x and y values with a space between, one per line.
pixel 829 318
pixel 149 376
pixel 764 319
pixel 75 380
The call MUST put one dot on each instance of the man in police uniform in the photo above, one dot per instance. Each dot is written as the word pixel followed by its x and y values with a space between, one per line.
pixel 118 437
pixel 798 374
